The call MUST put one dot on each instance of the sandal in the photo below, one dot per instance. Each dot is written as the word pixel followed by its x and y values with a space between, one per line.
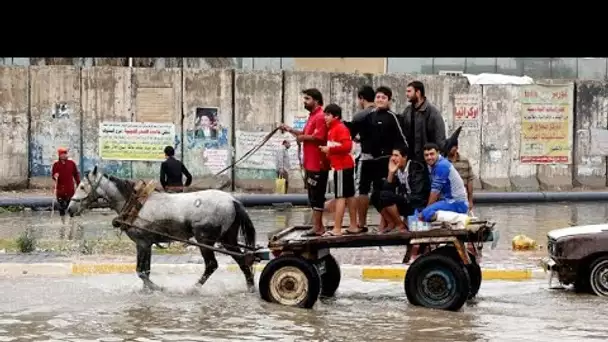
pixel 330 233
pixel 387 230
pixel 311 233
pixel 349 232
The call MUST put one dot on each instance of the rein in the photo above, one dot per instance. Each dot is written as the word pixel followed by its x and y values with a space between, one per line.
pixel 250 152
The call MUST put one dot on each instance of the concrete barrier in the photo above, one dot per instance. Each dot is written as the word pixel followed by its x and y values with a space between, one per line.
pixel 44 107
pixel 14 100
pixel 55 119
pixel 591 112
pixel 258 103
pixel 204 156
pixel 106 96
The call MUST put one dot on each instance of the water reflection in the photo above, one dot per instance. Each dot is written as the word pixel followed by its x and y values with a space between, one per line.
pixel 534 220
pixel 111 308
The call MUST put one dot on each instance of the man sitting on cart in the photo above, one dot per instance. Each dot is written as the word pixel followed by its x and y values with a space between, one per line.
pixel 447 188
pixel 403 192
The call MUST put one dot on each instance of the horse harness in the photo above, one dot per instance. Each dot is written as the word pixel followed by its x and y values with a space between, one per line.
pixel 141 193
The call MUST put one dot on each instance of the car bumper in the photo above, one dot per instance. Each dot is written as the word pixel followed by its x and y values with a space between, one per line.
pixel 549 265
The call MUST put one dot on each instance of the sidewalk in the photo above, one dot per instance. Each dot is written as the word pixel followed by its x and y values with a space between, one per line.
pixel 362 263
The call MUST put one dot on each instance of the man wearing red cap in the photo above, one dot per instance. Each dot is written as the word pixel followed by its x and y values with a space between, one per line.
pixel 64 173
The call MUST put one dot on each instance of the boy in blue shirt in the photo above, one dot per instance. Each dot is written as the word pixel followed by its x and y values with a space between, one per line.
pixel 448 192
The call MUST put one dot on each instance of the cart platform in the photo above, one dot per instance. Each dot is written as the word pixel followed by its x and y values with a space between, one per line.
pixel 291 237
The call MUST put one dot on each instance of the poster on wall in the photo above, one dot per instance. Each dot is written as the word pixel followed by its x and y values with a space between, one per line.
pixel 546 124
pixel 467 111
pixel 299 120
pixel 136 141
pixel 216 160
pixel 264 158
pixel 206 123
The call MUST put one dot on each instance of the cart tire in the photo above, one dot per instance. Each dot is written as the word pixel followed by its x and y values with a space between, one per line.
pixel 598 277
pixel 473 269
pixel 437 281
pixel 475 276
pixel 290 281
pixel 330 280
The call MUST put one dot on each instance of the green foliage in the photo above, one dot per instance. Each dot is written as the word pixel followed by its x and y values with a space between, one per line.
pixel 26 243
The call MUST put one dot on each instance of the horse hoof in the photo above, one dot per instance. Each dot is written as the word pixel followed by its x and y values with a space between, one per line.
pixel 251 288
pixel 154 288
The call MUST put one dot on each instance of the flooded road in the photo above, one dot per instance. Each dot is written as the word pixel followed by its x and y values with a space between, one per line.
pixel 113 308
pixel 533 220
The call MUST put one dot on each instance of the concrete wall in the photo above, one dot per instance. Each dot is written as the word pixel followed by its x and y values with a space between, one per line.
pixel 44 107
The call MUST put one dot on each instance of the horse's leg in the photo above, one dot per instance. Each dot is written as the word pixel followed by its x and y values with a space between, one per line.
pixel 144 260
pixel 209 257
pixel 247 269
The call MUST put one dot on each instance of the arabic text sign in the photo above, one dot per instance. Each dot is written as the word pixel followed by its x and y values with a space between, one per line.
pixel 143 141
pixel 467 110
pixel 546 124
pixel 265 157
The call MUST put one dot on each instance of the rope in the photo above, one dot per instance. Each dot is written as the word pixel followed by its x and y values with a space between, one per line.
pixel 249 153
pixel 122 222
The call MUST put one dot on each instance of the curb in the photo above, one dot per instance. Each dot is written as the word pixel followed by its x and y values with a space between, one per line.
pixel 366 273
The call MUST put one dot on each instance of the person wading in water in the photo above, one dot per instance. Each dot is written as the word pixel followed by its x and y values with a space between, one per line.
pixel 171 171
pixel 64 172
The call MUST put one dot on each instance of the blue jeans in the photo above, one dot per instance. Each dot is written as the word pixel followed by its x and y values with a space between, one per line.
pixel 460 207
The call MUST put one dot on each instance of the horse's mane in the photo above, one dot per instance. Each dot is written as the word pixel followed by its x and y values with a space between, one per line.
pixel 124 186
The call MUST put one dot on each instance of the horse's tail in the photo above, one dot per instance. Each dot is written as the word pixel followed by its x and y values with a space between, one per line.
pixel 247 228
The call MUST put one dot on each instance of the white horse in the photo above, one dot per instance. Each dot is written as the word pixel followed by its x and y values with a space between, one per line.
pixel 209 216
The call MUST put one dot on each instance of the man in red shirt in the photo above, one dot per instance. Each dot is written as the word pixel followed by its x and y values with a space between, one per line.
pixel 338 150
pixel 64 173
pixel 315 163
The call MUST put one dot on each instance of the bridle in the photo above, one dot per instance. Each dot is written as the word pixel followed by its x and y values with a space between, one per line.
pixel 88 199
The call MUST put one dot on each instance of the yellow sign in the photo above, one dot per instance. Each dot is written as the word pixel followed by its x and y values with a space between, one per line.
pixel 546 124
pixel 137 141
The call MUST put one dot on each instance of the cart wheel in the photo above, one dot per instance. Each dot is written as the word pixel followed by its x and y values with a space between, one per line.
pixel 474 276
pixel 473 269
pixel 437 281
pixel 330 280
pixel 290 281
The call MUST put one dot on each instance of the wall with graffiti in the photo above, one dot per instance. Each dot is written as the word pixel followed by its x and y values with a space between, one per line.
pixel 214 116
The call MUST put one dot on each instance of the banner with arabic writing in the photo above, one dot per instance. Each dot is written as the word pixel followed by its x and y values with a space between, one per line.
pixel 546 124
pixel 137 141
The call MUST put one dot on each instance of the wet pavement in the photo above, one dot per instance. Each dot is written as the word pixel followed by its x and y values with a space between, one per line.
pixel 534 220
pixel 114 308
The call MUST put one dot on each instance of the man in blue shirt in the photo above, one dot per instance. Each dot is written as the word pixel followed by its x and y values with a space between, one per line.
pixel 447 188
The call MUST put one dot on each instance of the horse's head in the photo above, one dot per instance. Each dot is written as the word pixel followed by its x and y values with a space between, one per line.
pixel 95 185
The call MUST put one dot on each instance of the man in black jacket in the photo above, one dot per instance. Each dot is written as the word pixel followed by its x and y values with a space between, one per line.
pixel 423 122
pixel 171 171
pixel 404 190
pixel 380 132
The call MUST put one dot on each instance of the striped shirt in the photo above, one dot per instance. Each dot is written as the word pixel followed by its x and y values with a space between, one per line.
pixel 463 166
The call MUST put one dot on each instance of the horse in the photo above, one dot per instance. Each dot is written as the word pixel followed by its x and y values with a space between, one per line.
pixel 209 216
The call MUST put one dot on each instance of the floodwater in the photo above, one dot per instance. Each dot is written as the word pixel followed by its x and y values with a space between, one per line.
pixel 114 308
pixel 533 220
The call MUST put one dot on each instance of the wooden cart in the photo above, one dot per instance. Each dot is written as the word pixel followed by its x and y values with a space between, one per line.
pixel 444 275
